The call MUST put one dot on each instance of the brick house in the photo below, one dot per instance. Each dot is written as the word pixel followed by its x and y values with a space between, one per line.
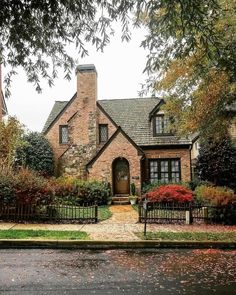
pixel 3 107
pixel 121 141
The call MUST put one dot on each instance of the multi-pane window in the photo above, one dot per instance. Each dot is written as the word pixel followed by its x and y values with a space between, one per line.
pixel 103 133
pixel 164 170
pixel 63 134
pixel 161 125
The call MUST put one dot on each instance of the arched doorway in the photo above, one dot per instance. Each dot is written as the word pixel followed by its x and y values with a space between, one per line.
pixel 120 171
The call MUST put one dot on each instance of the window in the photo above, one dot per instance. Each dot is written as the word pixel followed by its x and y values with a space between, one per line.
pixel 103 133
pixel 63 134
pixel 164 170
pixel 160 125
pixel 197 145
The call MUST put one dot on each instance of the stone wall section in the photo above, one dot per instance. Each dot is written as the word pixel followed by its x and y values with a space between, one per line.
pixel 80 116
pixel 119 147
pixel 82 127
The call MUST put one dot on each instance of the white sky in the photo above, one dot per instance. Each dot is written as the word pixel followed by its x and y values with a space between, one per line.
pixel 119 70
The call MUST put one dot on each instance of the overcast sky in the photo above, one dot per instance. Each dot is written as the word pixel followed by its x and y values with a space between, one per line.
pixel 119 70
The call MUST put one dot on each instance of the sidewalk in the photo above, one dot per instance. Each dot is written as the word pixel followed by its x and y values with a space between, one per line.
pixel 120 227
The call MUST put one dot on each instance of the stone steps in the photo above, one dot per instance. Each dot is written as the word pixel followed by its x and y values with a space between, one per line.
pixel 120 200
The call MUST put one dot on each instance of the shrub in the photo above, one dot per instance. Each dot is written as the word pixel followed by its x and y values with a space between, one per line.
pixel 216 196
pixel 30 187
pixel 70 190
pixel 7 193
pixel 217 162
pixel 147 187
pixel 24 187
pixel 222 200
pixel 36 154
pixel 133 189
pixel 170 193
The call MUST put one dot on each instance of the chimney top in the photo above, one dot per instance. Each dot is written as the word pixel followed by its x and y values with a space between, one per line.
pixel 86 68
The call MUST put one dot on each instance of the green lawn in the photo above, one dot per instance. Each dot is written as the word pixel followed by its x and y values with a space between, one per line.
pixel 189 236
pixel 104 213
pixel 69 212
pixel 43 234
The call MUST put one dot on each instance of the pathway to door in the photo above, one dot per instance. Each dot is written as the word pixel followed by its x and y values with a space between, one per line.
pixel 121 226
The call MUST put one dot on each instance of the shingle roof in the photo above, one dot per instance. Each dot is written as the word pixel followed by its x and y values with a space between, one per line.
pixel 57 108
pixel 133 116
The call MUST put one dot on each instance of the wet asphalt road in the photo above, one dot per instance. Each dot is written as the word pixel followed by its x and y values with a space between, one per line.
pixel 44 271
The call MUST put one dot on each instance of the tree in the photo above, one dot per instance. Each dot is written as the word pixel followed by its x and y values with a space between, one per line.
pixel 217 162
pixel 34 34
pixel 11 132
pixel 36 154
pixel 192 58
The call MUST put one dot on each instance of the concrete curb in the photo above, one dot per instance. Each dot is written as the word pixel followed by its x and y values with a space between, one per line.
pixel 105 245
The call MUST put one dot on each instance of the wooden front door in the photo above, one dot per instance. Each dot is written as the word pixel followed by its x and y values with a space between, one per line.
pixel 121 176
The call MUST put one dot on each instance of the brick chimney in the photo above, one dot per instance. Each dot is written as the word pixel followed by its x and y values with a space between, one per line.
pixel 82 124
pixel 86 99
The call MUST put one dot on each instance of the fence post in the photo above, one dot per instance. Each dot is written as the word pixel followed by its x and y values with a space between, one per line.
pixel 205 214
pixel 96 212
pixel 145 216
pixel 189 215
pixel 139 212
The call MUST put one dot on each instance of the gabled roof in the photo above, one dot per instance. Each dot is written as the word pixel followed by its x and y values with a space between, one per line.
pixel 118 130
pixel 133 116
pixel 58 108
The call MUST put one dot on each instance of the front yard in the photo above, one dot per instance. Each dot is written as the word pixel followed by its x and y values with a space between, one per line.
pixel 43 234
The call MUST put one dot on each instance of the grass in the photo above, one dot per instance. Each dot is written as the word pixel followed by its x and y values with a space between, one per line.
pixel 43 234
pixel 189 236
pixel 104 213
pixel 68 212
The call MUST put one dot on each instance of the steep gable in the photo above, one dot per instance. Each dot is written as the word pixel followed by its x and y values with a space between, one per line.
pixel 133 115
pixel 58 108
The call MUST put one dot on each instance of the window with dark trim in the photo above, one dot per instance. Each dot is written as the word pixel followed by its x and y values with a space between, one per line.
pixel 164 170
pixel 160 125
pixel 103 133
pixel 63 134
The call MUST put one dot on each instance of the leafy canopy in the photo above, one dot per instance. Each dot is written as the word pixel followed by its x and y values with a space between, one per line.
pixel 191 43
pixel 34 34
pixel 192 58
pixel 11 132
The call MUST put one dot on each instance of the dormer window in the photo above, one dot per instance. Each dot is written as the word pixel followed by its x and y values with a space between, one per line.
pixel 103 133
pixel 161 125
pixel 63 134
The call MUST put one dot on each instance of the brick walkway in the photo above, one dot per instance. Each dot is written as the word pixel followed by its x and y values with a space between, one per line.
pixel 121 226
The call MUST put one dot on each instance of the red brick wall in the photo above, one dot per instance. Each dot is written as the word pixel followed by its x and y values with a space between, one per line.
pixel 119 147
pixel 182 154
pixel 103 119
pixel 80 116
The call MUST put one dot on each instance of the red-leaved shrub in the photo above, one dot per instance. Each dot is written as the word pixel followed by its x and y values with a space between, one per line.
pixel 170 193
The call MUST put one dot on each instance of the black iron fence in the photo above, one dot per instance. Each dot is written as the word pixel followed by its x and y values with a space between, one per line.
pixel 86 213
pixel 187 213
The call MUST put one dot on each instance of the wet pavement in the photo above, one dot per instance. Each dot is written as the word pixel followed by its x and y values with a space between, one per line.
pixel 41 271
